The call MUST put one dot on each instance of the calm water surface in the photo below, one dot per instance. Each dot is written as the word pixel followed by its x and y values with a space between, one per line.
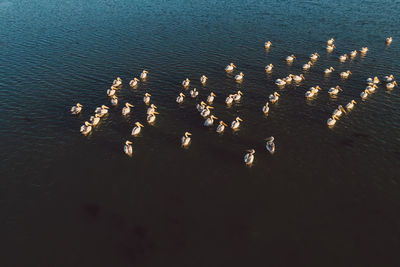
pixel 327 197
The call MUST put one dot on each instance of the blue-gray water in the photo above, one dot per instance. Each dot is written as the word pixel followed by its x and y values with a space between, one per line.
pixel 327 197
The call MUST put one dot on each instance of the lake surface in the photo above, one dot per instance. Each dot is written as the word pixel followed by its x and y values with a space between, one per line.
pixel 327 197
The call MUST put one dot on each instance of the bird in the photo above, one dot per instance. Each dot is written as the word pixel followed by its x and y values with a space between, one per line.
pixel 203 79
pixel 127 109
pixel 353 53
pixel 185 140
pixel 270 145
pixel 151 109
pixel 350 105
pixel 201 106
pixel 339 111
pixel 237 96
pixel 114 100
pixel 194 93
pixel 274 97
pixel 143 75
pixel 312 91
pixel 334 90
pixel 330 48
pixel 249 157
pixel 280 82
pixel 180 97
pixel 343 58
pixel 364 50
pixel 298 78
pixel 389 40
pixel 265 108
pixel 209 121
pixel 152 117
pixel 186 83
pixel 288 78
pixel 391 85
pixel 290 58
pixel 221 127
pixel 327 71
pixel 229 99
pixel 111 91
pixel 128 148
pixel 230 67
pixel 314 56
pixel 239 77
pixel 307 66
pixel 267 44
pixel 373 81
pixel 136 130
pixel 345 74
pixel 206 111
pixel 268 68
pixel 330 41
pixel 364 94
pixel 76 109
pixel 210 98
pixel 332 120
pixel 86 128
pixel 117 83
pixel 94 120
pixel 134 82
pixel 389 78
pixel 371 88
pixel 236 123
pixel 146 98
pixel 103 110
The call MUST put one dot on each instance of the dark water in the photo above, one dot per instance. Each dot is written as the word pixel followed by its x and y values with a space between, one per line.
pixel 327 197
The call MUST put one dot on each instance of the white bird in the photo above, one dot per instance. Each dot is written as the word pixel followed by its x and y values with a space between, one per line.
pixel 237 96
pixel 134 82
pixel 146 98
pixel 209 121
pixel 307 66
pixel 353 53
pixel 270 145
pixel 143 75
pixel 151 117
pixel 221 127
pixel 373 81
pixel 268 68
pixel 345 74
pixel 186 83
pixel 363 50
pixel 111 92
pixel 389 40
pixel 86 128
pixel 229 99
pixel 210 98
pixel 343 58
pixel 249 157
pixel 236 123
pixel 76 109
pixel 267 44
pixel 185 141
pixel 203 79
pixel 332 120
pixel 239 77
pixel 314 56
pixel 312 91
pixel 114 100
pixel 194 93
pixel 350 105
pixel 180 97
pixel 364 94
pixel 94 120
pixel 265 108
pixel 206 111
pixel 371 88
pixel 334 90
pixel 201 106
pixel 127 109
pixel 151 109
pixel 280 82
pixel 274 97
pixel 117 82
pixel 136 130
pixel 290 58
pixel 339 111
pixel 103 110
pixel 327 71
pixel 391 85
pixel 230 67
pixel 389 78
pixel 298 78
pixel 330 48
pixel 128 148
pixel 330 41
pixel 288 78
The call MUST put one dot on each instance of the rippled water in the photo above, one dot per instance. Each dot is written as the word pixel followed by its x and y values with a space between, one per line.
pixel 326 197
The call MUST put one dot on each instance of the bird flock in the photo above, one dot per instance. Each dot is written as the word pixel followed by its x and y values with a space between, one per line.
pixel 204 108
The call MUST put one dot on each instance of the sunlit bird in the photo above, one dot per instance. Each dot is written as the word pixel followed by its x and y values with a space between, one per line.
pixel 128 148
pixel 86 128
pixel 76 109
pixel 210 98
pixel 127 109
pixel 332 121
pixel 134 82
pixel 136 130
pixel 273 98
pixel 180 98
pixel 185 140
pixel 221 127
pixel 210 121
pixel 194 93
pixel 270 145
pixel 249 157
pixel 350 105
pixel 230 67
pixel 144 74
pixel 236 123
pixel 103 110
pixel 146 98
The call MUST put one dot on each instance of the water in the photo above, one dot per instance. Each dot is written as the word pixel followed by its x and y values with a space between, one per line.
pixel 326 197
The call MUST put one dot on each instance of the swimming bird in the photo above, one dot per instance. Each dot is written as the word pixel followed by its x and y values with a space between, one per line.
pixel 230 67
pixel 339 111
pixel 185 141
pixel 86 128
pixel 353 53
pixel 143 75
pixel 298 78
pixel 206 111
pixel 345 74
pixel 332 120
pixel 151 109
pixel 288 79
pixel 229 99
pixel 210 98
pixel 76 109
pixel 274 97
pixel 203 79
pixel 307 66
pixel 94 120
pixel 237 96
pixel 389 40
pixel 350 105
pixel 371 81
pixel 327 71
pixel 364 50
pixel 267 44
pixel 127 109
pixel 249 157
pixel 280 82
pixel 391 85
pixel 334 90
pixel 146 98
pixel 201 106
pixel 136 130
pixel 268 68
pixel 194 93
pixel 236 123
pixel 270 145
pixel 186 83
pixel 371 88
pixel 128 148
pixel 290 58
pixel 364 94
pixel 265 108
pixel 330 48
pixel 114 100
pixel 312 91
pixel 134 82
pixel 117 82
pixel 209 121
pixel 239 77
pixel 330 41
pixel 103 110
pixel 152 117
pixel 314 56
pixel 111 91
pixel 343 58
pixel 389 78
pixel 221 127
pixel 180 97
